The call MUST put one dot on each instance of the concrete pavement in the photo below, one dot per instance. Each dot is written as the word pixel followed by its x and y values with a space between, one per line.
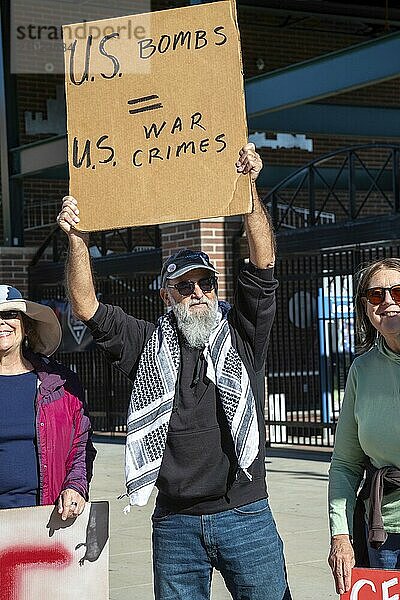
pixel 297 482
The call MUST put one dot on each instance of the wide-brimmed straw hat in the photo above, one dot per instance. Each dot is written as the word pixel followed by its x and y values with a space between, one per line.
pixel 48 329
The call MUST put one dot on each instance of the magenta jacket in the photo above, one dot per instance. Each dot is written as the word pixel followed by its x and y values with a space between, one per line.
pixel 65 450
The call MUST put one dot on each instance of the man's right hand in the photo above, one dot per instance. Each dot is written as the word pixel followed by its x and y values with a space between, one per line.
pixel 341 561
pixel 68 217
pixel 79 276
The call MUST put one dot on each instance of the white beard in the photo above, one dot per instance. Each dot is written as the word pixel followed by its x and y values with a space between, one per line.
pixel 196 328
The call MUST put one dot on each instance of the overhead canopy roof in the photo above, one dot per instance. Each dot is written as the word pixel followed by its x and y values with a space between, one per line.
pixel 374 10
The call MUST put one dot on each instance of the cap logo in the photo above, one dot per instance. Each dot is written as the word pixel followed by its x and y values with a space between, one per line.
pixel 171 268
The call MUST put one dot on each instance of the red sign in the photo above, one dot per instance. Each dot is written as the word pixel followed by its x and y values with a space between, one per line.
pixel 15 560
pixel 373 584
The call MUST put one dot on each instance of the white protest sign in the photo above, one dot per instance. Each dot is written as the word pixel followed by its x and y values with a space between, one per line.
pixel 45 558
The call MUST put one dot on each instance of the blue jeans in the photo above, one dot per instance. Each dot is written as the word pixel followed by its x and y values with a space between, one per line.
pixel 242 543
pixel 388 555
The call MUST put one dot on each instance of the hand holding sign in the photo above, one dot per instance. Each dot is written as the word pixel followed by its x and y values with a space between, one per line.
pixel 249 162
pixel 341 561
pixel 70 504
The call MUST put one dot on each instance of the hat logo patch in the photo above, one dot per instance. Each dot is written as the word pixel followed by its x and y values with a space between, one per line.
pixel 7 293
pixel 171 268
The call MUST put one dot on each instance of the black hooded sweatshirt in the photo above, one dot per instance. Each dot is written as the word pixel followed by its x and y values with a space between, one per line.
pixel 199 474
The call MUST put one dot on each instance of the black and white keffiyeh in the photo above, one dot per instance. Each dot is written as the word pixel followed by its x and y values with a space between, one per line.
pixel 153 395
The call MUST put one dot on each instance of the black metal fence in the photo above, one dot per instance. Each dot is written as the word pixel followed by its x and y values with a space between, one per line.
pixel 311 349
pixel 107 390
pixel 312 342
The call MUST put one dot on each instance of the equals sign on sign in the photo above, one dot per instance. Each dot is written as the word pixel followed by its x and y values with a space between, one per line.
pixel 134 111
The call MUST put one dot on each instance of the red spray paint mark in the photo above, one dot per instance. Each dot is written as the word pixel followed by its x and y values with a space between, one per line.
pixel 13 560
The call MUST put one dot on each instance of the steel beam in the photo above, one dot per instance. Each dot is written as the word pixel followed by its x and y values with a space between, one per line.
pixel 331 119
pixel 376 229
pixel 334 73
pixel 13 202
pixel 271 176
pixel 118 264
pixel 37 157
pixel 5 183
pixel 345 12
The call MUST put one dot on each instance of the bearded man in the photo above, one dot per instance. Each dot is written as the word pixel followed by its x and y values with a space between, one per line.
pixel 196 418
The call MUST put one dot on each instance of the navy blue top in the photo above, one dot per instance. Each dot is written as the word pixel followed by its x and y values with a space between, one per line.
pixel 19 473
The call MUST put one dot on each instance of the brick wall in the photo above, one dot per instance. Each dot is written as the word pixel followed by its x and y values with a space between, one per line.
pixel 280 42
pixel 14 263
pixel 213 236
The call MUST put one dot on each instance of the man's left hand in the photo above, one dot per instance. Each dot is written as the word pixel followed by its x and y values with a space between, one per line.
pixel 70 504
pixel 249 161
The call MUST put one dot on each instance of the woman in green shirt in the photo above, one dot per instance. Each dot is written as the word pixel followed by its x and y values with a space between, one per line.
pixel 368 432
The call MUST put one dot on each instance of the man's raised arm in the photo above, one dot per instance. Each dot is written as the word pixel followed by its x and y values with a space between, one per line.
pixel 79 276
pixel 260 235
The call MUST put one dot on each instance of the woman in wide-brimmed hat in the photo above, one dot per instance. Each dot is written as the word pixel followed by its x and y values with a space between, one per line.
pixel 46 451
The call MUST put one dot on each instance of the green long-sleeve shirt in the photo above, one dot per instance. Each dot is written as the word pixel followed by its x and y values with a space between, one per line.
pixel 369 425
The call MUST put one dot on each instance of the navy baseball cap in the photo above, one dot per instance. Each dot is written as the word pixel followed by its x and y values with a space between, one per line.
pixel 184 261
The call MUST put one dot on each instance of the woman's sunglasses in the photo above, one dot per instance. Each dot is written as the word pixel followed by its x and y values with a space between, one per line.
pixel 376 295
pixel 186 288
pixel 8 315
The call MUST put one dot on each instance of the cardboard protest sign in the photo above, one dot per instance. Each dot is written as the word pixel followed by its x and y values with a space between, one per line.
pixel 43 557
pixel 156 117
pixel 373 584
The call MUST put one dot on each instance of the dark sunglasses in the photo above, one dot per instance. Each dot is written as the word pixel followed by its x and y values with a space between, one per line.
pixel 186 288
pixel 376 295
pixel 7 315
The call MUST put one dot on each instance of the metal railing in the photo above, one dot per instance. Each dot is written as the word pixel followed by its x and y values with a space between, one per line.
pixel 294 217
pixel 351 183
